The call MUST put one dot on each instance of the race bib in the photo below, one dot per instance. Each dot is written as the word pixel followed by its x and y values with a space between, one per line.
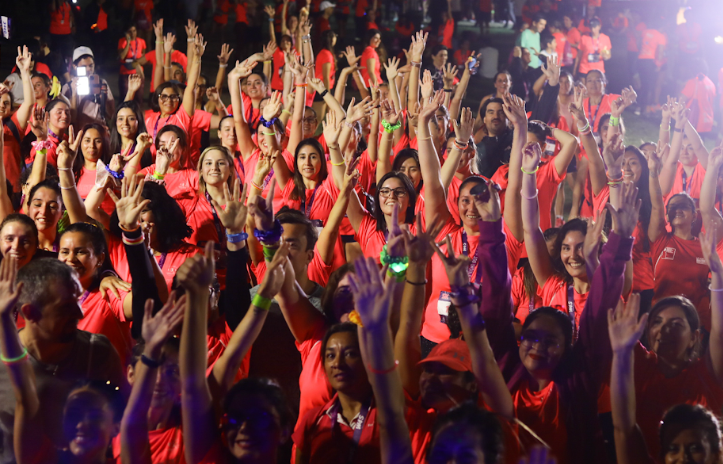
pixel 445 300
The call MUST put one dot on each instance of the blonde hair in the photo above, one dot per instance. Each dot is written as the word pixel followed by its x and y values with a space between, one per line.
pixel 229 157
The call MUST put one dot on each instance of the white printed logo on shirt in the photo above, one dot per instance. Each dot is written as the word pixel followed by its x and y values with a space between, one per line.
pixel 668 253
pixel 700 261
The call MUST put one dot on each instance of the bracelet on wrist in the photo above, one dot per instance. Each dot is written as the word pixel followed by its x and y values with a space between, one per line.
pixel 384 371
pixel 416 64
pixel 614 122
pixel 530 197
pixel 286 111
pixel 678 130
pixel 338 164
pixel 17 359
pixel 417 283
pixel 256 186
pixel 323 94
pixel 131 241
pixel 270 133
pixel 271 236
pixel 114 174
pixel 389 128
pixel 529 172
pixel 396 263
pixel 261 302
pixel 449 90
pixel 460 146
pixel 301 85
pixel 152 363
pixel 158 176
pixel 236 238
pixel 223 65
pixel 268 124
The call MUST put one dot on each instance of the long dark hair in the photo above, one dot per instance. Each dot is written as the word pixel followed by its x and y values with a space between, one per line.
pixel 157 94
pixel 115 138
pixel 643 186
pixel 528 277
pixel 169 218
pixel 573 225
pixel 97 239
pixel 411 194
pixel 299 190
pixel 328 307
pixel 182 143
pixel 697 222
pixel 688 416
pixel 691 315
pixel 105 153
pixel 327 39
pixel 403 156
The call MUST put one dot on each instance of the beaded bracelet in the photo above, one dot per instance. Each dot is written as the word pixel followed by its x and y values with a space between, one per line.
pixel 116 175
pixel 389 128
pixel 459 146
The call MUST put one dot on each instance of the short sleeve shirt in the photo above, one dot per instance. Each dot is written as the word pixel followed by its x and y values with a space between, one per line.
pixel 591 50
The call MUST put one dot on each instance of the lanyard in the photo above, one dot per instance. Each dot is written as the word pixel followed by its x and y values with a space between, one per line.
pixel 130 150
pixel 162 261
pixel 307 212
pixel 571 309
pixel 597 110
pixel 473 263
pixel 155 128
pixel 82 300
pixel 217 224
pixel 268 179
pixel 362 417
pixel 686 185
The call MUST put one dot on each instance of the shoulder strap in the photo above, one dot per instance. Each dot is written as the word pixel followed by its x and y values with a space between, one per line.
pixel 13 128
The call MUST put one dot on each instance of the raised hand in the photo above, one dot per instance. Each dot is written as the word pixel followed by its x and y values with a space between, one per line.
pixel 624 327
pixel 489 210
pixel 576 106
pixel 191 29
pixel 715 158
pixel 391 68
pixel 419 246
pixel 708 242
pixel 416 49
pixel 427 85
pixel 275 273
pixel 292 63
pixel 134 82
pixel 332 128
pixel 305 27
pixel 389 114
pixel 667 109
pixel 225 55
pixel 531 156
pixel 269 49
pixel 157 329
pixel 316 84
pixel 429 110
pixel 551 71
pixel 656 158
pixel 200 45
pixel 357 112
pixel 593 238
pixel 629 95
pixel 68 149
pixel 263 209
pixel 450 72
pixel 680 114
pixel 351 174
pixel 264 164
pixel 196 273
pixel 24 59
pixel 113 284
pixel 617 107
pixel 463 130
pixel 168 43
pixel 351 57
pixel 273 107
pixel 625 219
pixel 514 108
pixel 39 123
pixel 269 10
pixel 613 155
pixel 130 204
pixel 158 29
pixel 373 294
pixel 213 95
pixel 241 70
pixel 455 266
pixel 233 218
pixel 9 291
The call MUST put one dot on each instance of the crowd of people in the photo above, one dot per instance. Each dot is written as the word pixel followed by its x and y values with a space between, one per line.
pixel 299 276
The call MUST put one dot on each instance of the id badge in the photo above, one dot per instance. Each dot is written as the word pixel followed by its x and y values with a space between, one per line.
pixel 593 57
pixel 128 64
pixel 318 225
pixel 62 21
pixel 550 145
pixel 445 300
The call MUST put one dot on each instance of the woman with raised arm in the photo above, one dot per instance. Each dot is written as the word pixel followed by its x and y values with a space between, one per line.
pixel 465 235
pixel 85 441
pixel 256 420
pixel 168 104
pixel 15 123
pixel 370 61
pixel 688 169
pixel 676 370
pixel 129 125
pixel 679 267
pixel 50 126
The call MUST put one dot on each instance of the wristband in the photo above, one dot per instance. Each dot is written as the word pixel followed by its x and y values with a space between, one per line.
pixel 715 289
pixel 584 128
pixel 323 94
pixel 67 188
pixel 678 130
pixel 459 146
pixel 529 172
pixel 396 264
pixel 267 61
pixel 223 65
pixel 270 133
pixel 399 276
pixel 261 302
pixel 140 240
pixel 300 85
pixel 270 236
pixel 268 124
pixel 339 164
pixel 306 37
pixel 384 371
pixel 286 111
pixel 614 122
pixel 449 90
pixel 269 253
pixel 128 230
pixel 116 175
pixel 389 128
pixel 529 198
pixel 16 359
pixel 158 176
pixel 159 41
pixel 333 147
pixel 63 169
pixel 417 283
pixel 254 185
pixel 152 363
pixel 236 238
pixel 416 64
pixel 189 40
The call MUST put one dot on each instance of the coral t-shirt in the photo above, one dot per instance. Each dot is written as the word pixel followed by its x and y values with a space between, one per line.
pixel 135 52
pixel 594 112
pixel 521 301
pixel 642 262
pixel 447 33
pixel 689 35
pixel 558 294
pixel 690 184
pixel 180 183
pixel 680 269
pixel 12 158
pixel 313 384
pixel 574 37
pixel 176 57
pixel 370 54
pixel 700 97
pixel 154 123
pixel 166 446
pixel 277 80
pixel 372 240
pixel 652 39
pixel 86 183
pixel 323 58
pixel 250 170
pixel 543 412
pixel 60 20
pixel 107 318
pixel 591 50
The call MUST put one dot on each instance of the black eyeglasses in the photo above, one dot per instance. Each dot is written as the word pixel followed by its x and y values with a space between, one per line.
pixel 387 193
pixel 164 98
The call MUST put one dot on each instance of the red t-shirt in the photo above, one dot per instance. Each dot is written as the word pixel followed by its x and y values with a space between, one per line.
pixel 220 15
pixel 369 54
pixel 180 183
pixel 324 24
pixel 313 384
pixel 651 40
pixel 634 35
pixel 277 80
pixel 680 269
pixel 361 7
pixel 250 170
pixel 700 91
pixel 176 57
pixel 642 262
pixel 146 6
pixel 591 50
pixel 12 158
pixel 372 240
pixel 447 31
pixel 107 318
pixel 574 37
pixel 101 23
pixel 433 328
pixel 555 293
pixel 324 439
pixel 154 123
pixel 135 52
pixel 520 300
pixel 594 112
pixel 200 123
pixel 166 446
pixel 689 38
pixel 317 271
pixel 60 20
pixel 241 13
pixel 684 183
pixel 322 58
pixel 543 412
pixel 86 183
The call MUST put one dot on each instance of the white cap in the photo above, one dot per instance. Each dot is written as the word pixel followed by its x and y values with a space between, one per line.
pixel 81 51
pixel 326 4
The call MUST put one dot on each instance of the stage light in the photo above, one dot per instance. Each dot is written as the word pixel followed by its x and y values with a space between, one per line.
pixel 719 40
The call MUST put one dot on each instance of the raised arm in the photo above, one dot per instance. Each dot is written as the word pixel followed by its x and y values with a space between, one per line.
pixel 332 130
pixel 657 213
pixel 199 425
pixel 708 242
pixel 569 144
pixel 448 76
pixel 534 240
pixel 272 110
pixel 460 91
pixel 435 204
pixel 416 50
pixel 463 132
pixel 223 60
pixel 373 141
pixel 271 12
pixel 625 331
pixel 194 70
pixel 28 425
pixel 700 151
pixel 67 152
pixel 664 132
pixel 391 68
pixel 23 62
pixel 596 167
pixel 669 162
pixel 324 89
pixel 135 447
pixel 330 233
pixel 300 72
pixel 514 108
pixel 711 216
pixel 6 206
pixel 158 71
pixel 243 131
pixel 373 296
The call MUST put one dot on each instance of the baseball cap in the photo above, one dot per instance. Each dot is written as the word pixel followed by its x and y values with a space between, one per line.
pixel 453 353
pixel 81 51
pixel 326 4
